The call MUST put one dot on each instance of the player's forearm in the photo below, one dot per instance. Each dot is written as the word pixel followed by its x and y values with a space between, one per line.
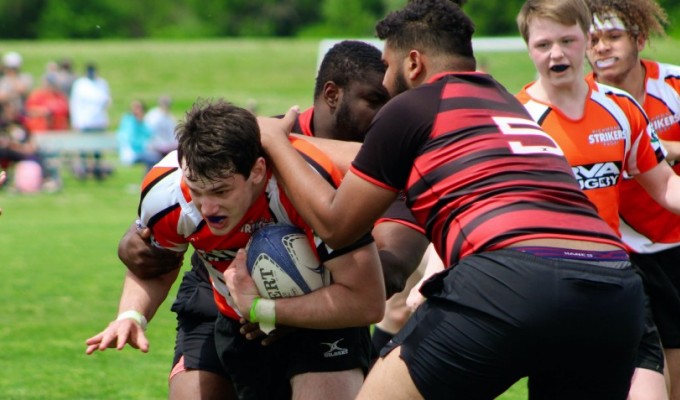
pixel 342 153
pixel 332 307
pixel 355 298
pixel 309 192
pixel 663 185
pixel 145 295
pixel 673 149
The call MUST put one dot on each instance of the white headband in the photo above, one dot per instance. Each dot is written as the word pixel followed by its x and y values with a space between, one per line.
pixel 606 23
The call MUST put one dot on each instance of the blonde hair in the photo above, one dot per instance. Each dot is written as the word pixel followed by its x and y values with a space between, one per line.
pixel 565 12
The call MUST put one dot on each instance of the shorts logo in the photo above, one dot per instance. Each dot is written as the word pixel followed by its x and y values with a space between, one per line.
pixel 334 350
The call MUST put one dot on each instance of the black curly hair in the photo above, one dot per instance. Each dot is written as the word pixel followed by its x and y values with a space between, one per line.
pixel 439 26
pixel 348 61
pixel 641 17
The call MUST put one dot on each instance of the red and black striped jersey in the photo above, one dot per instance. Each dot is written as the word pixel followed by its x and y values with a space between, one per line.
pixel 647 227
pixel 166 207
pixel 478 173
pixel 398 212
pixel 612 136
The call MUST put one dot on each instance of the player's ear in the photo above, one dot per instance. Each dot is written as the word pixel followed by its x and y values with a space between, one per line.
pixel 259 171
pixel 640 42
pixel 331 94
pixel 414 65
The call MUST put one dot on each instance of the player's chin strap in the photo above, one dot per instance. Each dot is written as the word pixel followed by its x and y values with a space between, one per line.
pixel 263 311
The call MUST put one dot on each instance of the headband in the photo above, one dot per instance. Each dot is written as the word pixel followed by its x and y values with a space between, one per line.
pixel 607 22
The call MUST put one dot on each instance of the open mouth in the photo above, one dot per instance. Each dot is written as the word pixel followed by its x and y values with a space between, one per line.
pixel 606 63
pixel 559 68
pixel 215 219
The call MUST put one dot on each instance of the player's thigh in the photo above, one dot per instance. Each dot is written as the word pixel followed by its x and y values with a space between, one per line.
pixel 389 379
pixel 648 385
pixel 200 385
pixel 339 385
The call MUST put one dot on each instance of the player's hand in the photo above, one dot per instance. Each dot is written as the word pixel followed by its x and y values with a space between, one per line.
pixel 142 258
pixel 252 332
pixel 415 298
pixel 273 130
pixel 116 335
pixel 241 286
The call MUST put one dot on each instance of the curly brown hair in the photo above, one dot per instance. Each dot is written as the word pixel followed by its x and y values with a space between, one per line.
pixel 641 17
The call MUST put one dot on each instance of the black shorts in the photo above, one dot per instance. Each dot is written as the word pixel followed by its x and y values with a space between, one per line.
pixel 196 314
pixel 496 317
pixel 661 276
pixel 264 372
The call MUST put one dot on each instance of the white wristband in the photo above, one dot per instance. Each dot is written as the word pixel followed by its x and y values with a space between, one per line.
pixel 134 315
pixel 265 310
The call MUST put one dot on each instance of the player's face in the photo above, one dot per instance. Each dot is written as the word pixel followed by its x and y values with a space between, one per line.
pixel 359 103
pixel 395 78
pixel 557 51
pixel 613 54
pixel 224 202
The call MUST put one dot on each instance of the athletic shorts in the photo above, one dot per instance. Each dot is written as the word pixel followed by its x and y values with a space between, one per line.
pixel 196 314
pixel 572 328
pixel 661 276
pixel 264 372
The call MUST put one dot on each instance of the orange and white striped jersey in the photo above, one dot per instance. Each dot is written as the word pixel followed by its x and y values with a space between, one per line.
pixel 166 207
pixel 612 137
pixel 647 227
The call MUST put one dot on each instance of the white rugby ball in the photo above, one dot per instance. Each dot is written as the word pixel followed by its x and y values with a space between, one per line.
pixel 283 263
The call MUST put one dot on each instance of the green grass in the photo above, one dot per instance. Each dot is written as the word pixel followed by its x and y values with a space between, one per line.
pixel 59 270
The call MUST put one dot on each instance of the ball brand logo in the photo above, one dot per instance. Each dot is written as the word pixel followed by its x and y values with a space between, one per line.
pixel 334 350
pixel 269 281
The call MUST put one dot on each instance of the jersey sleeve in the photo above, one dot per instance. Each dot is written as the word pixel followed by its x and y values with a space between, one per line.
pixel 400 213
pixel 645 151
pixel 392 141
pixel 160 208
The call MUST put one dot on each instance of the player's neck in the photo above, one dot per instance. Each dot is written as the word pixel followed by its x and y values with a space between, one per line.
pixel 633 82
pixel 568 99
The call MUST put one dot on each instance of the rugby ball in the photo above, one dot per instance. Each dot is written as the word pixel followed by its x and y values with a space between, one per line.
pixel 282 262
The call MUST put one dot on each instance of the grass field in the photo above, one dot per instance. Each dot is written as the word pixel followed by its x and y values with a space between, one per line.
pixel 59 271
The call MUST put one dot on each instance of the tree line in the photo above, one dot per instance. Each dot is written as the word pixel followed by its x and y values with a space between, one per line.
pixel 127 19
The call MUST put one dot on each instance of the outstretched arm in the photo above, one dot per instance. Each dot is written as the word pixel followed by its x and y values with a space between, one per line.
pixel 138 303
pixel 338 217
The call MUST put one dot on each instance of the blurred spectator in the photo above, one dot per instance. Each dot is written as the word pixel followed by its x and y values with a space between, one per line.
pixel 134 137
pixel 90 101
pixel 14 84
pixel 65 76
pixel 18 149
pixel 162 124
pixel 89 104
pixel 47 108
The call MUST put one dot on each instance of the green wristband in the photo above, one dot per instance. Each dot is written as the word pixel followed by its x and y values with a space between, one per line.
pixel 253 312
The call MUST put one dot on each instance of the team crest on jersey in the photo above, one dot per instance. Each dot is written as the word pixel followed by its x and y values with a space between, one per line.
pixel 597 176
pixel 607 136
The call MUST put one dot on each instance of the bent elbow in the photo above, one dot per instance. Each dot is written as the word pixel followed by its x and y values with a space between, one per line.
pixel 375 313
